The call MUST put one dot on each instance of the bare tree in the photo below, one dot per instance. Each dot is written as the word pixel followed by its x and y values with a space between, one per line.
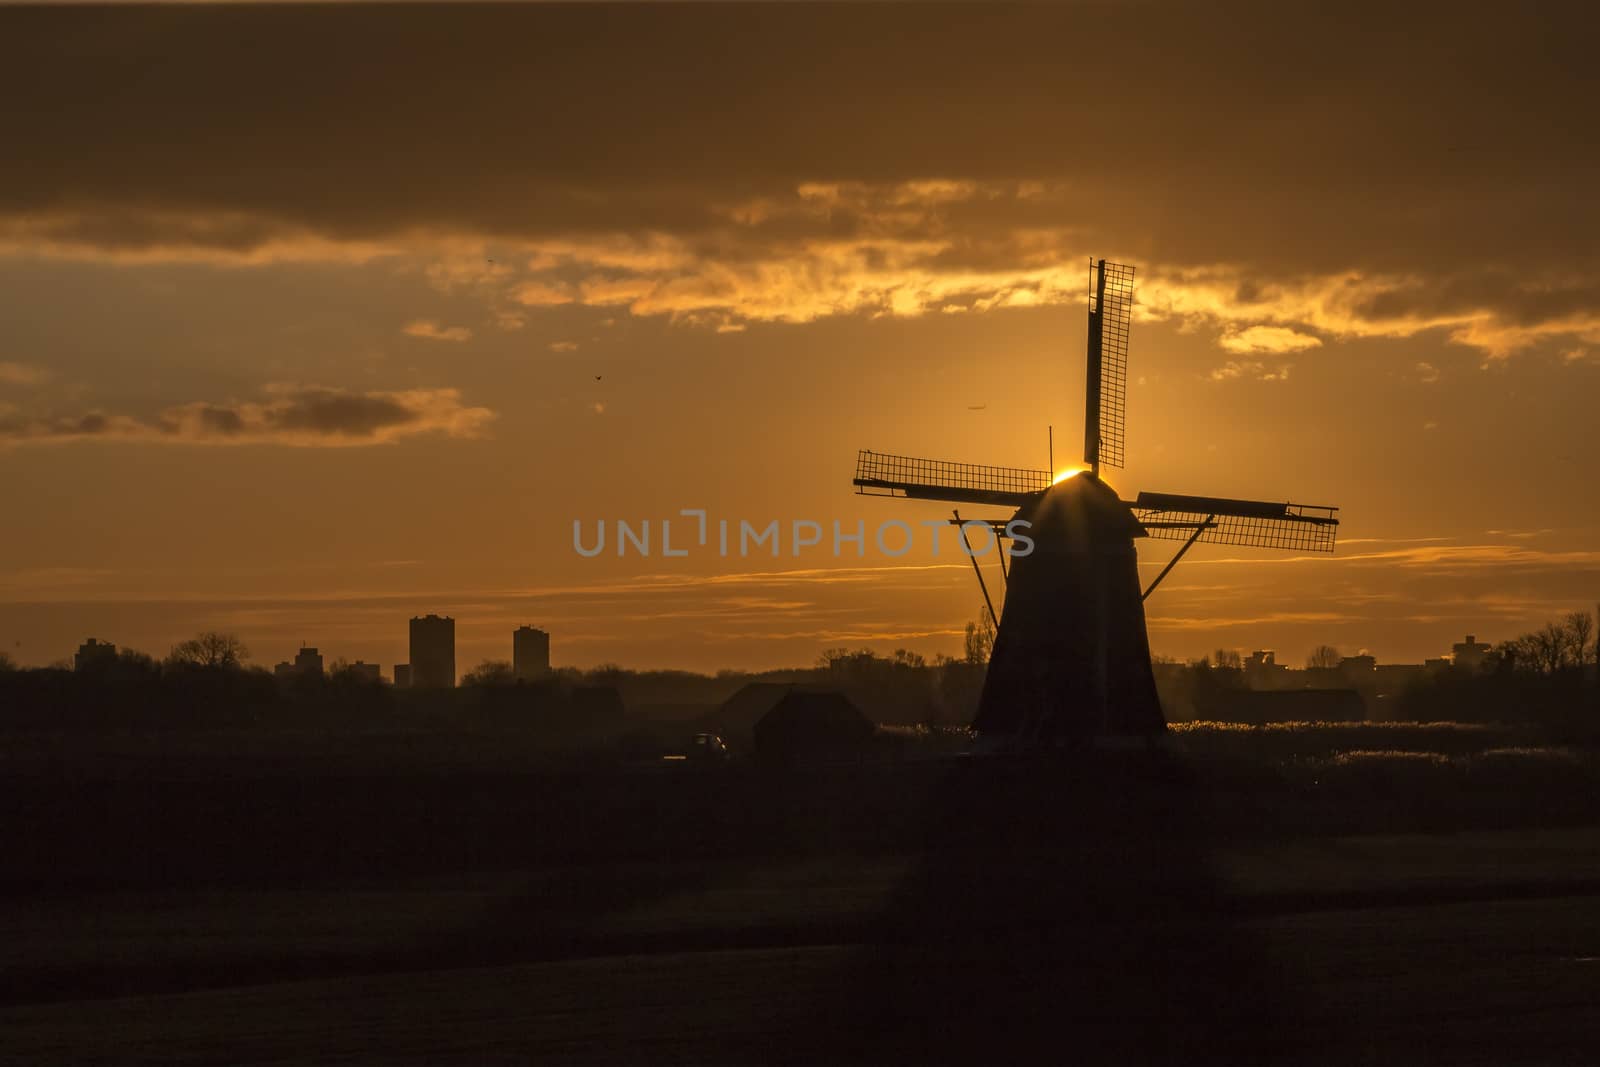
pixel 1555 647
pixel 1542 648
pixel 5 663
pixel 908 659
pixel 1580 629
pixel 847 661
pixel 212 649
pixel 1543 651
pixel 1517 653
pixel 489 673
pixel 136 662
pixel 979 643
pixel 833 658
pixel 1228 659
pixel 1323 657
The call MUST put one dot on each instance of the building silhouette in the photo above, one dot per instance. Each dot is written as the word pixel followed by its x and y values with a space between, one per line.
pixel 92 654
pixel 433 652
pixel 307 664
pixel 367 672
pixel 1469 653
pixel 402 675
pixel 308 661
pixel 1263 671
pixel 1362 667
pixel 530 653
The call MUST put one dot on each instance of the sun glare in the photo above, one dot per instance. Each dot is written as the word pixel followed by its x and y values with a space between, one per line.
pixel 1068 473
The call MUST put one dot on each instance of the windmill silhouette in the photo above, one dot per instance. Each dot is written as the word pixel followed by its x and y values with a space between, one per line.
pixel 1071 657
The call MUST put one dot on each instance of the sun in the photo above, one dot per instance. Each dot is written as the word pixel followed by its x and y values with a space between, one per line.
pixel 1070 472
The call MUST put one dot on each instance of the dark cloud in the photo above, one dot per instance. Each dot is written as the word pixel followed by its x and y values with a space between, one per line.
pixel 219 420
pixel 325 411
pixel 289 415
pixel 1521 300
pixel 359 121
pixel 1427 146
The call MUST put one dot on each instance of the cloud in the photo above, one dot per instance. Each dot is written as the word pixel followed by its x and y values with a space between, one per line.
pixel 44 578
pixel 1251 369
pixel 430 329
pixel 126 235
pixel 1427 373
pixel 293 415
pixel 1481 307
pixel 22 374
pixel 541 294
pixel 1217 622
pixel 1274 339
pixel 738 200
pixel 465 270
pixel 875 251
pixel 1443 559
pixel 563 346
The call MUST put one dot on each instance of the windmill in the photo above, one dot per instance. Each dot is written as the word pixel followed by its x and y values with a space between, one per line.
pixel 1071 657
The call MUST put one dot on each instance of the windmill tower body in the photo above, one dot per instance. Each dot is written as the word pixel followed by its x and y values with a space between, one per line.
pixel 1071 658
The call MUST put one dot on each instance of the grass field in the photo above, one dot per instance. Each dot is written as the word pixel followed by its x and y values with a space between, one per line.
pixel 1322 895
pixel 1477 983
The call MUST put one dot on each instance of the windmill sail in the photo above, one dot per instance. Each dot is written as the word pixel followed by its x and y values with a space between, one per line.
pixel 1106 388
pixel 1252 523
pixel 880 474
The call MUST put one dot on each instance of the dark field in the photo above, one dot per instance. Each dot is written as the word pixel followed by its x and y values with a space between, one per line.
pixel 1330 895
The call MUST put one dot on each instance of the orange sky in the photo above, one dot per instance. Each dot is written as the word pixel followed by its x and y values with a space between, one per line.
pixel 302 312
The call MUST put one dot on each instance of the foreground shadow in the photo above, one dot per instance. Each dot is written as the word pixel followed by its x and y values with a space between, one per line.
pixel 1064 913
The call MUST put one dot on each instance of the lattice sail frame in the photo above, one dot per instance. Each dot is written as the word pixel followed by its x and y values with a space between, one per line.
pixel 882 474
pixel 1297 527
pixel 1115 308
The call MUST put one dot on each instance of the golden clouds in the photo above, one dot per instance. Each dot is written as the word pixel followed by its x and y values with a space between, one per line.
pixel 1484 308
pixel 806 178
pixel 892 248
pixel 1254 369
pixel 541 294
pixel 820 250
pixel 900 249
pixel 1274 339
pixel 908 248
pixel 291 415
pixel 429 329
pixel 22 374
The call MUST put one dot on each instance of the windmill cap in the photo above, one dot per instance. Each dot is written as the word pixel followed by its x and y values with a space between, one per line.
pixel 1078 510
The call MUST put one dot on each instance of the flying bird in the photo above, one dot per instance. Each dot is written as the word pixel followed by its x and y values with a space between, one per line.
pixel 976 407
pixel 597 377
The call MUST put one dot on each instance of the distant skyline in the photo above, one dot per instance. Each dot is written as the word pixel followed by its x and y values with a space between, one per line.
pixel 504 651
pixel 315 319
